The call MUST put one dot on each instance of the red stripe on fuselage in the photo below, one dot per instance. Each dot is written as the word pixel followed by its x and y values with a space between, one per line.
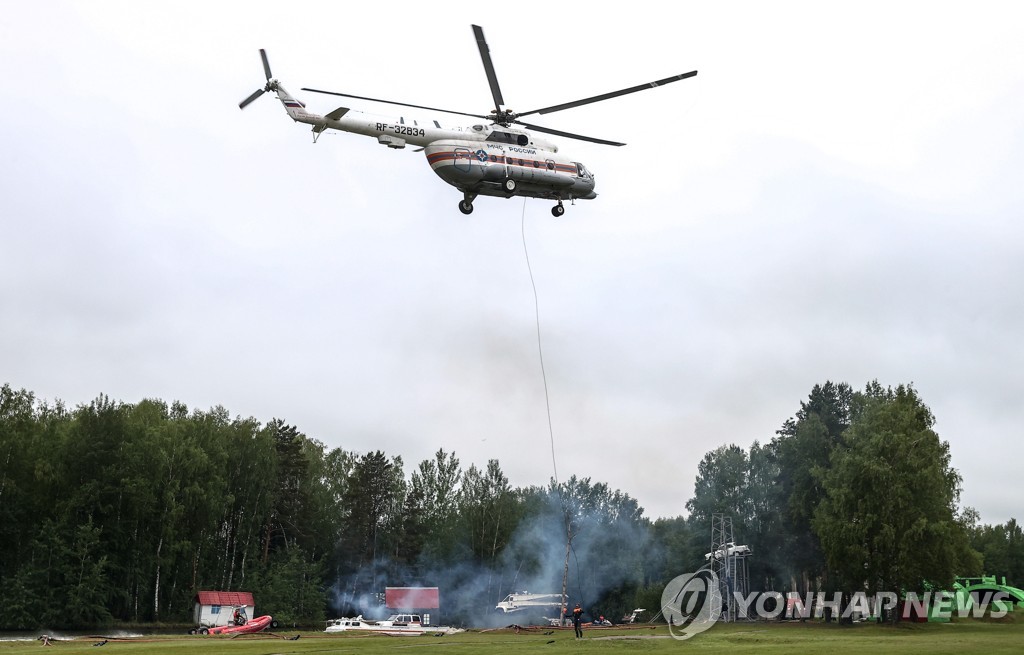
pixel 438 157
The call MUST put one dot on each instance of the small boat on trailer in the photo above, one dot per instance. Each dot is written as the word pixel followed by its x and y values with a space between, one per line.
pixel 259 624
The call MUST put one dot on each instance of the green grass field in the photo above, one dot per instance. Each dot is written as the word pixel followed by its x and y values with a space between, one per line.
pixel 961 637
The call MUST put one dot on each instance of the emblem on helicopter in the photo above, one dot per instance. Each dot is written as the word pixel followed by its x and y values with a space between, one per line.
pixel 551 176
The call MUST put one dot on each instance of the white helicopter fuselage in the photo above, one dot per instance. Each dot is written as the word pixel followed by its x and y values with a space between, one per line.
pixel 485 168
pixel 481 159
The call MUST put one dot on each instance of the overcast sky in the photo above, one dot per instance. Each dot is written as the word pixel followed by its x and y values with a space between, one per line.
pixel 838 195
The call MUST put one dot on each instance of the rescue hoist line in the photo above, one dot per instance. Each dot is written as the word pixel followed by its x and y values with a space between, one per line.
pixel 551 431
pixel 540 348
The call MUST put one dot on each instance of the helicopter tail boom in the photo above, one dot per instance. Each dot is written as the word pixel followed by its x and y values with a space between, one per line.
pixel 295 107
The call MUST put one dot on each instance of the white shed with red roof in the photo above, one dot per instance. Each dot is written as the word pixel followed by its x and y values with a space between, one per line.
pixel 215 608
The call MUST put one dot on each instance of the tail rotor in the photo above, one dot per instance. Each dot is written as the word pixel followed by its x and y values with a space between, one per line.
pixel 271 82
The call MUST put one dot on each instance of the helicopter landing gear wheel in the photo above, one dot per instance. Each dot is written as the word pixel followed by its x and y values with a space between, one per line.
pixel 466 207
pixel 557 210
pixel 510 186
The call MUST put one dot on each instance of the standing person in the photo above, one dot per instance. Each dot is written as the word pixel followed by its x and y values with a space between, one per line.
pixel 577 619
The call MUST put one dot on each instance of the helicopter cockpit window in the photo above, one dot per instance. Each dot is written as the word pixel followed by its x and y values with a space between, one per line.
pixel 581 170
pixel 499 136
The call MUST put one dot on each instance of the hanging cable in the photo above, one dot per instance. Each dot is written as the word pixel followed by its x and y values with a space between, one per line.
pixel 540 349
pixel 551 430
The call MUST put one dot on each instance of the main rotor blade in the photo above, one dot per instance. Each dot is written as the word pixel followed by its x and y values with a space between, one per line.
pixel 570 135
pixel 245 103
pixel 492 78
pixel 392 102
pixel 606 96
pixel 266 63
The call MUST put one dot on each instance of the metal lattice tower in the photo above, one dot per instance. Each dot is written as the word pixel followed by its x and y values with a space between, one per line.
pixel 729 562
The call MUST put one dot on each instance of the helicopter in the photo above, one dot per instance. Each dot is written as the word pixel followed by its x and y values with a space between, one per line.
pixel 493 157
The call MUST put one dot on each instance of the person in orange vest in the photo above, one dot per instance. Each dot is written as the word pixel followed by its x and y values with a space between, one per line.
pixel 577 619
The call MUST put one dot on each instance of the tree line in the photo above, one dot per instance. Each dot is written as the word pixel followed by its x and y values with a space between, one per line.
pixel 116 512
pixel 856 492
